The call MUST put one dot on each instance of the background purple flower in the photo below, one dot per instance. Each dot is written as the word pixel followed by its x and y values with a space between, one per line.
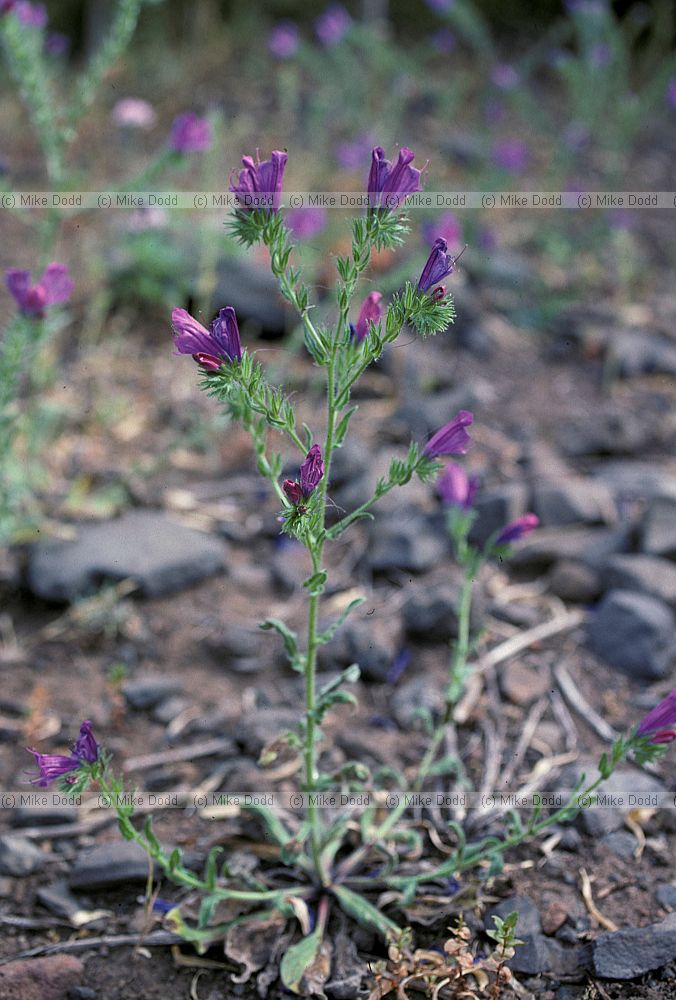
pixel 456 488
pixel 283 40
pixel 57 44
pixel 446 226
pixel 332 26
pixel 133 112
pixel 351 155
pixel 54 287
pixel 511 155
pixel 306 222
pixel 190 134
pixel 671 92
pixel 443 40
pixel 504 76
pixel 32 15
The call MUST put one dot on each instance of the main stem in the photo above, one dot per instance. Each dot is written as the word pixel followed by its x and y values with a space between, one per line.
pixel 317 551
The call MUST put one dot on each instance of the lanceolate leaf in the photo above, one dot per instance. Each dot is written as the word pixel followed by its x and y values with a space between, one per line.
pixel 298 958
pixel 365 913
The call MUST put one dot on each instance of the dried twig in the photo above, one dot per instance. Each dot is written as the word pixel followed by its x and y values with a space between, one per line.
pixel 571 692
pixel 585 885
pixel 521 641
pixel 158 939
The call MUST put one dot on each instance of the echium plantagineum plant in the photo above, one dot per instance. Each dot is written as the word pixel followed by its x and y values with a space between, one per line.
pixel 328 863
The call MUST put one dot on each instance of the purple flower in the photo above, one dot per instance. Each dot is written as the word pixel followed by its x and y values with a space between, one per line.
pixel 306 222
pixel 32 15
pixel 55 286
pixel 515 530
pixel 371 312
pixel 86 747
pixel 51 766
pixel 208 348
pixel 134 112
pixel 439 264
pixel 671 92
pixel 6 6
pixel 456 488
pixel 660 723
pixel 389 186
pixel 283 40
pixel 311 472
pixel 511 155
pixel 332 26
pixel 504 76
pixel 260 184
pixel 57 44
pixel 190 134
pixel 452 438
pixel 443 40
pixel 447 226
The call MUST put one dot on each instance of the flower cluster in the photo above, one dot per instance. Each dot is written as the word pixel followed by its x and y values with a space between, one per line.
pixel 389 186
pixel 54 287
pixel 85 750
pixel 311 473
pixel 210 349
pixel 259 185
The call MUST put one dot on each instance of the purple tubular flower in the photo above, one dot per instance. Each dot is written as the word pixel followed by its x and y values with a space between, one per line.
pixel 260 184
pixel 55 286
pixel 439 265
pixel 515 530
pixel 283 40
pixel 208 348
pixel 332 26
pixel 660 723
pixel 190 134
pixel 371 312
pixel 452 438
pixel 86 748
pixel 51 766
pixel 293 491
pixel 456 488
pixel 311 471
pixel 389 186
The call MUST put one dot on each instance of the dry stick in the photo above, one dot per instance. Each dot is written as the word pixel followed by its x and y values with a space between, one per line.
pixel 564 719
pixel 158 939
pixel 527 734
pixel 585 885
pixel 573 696
pixel 209 748
pixel 521 641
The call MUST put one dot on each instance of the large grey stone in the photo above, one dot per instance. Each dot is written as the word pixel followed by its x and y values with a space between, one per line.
pixel 252 291
pixel 573 501
pixel 635 352
pixel 659 527
pixel 633 951
pixel 406 543
pixel 159 554
pixel 528 922
pixel 113 863
pixel 496 508
pixel 648 574
pixel 634 633
pixel 430 614
pixel 591 546
pixel 19 856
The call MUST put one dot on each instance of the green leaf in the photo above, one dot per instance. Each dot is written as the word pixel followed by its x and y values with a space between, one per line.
pixel 298 958
pixel 315 583
pixel 341 429
pixel 328 634
pixel 289 638
pixel 211 872
pixel 154 848
pixel 365 913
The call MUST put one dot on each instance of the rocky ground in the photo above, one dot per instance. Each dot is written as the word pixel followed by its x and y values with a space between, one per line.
pixel 165 658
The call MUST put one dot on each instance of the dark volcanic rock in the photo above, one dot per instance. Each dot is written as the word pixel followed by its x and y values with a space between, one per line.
pixel 259 728
pixel 666 896
pixel 573 501
pixel 406 543
pixel 647 574
pixel 160 555
pixel 146 692
pixel 573 581
pixel 252 291
pixel 634 352
pixel 371 642
pixel 634 633
pixel 109 864
pixel 415 701
pixel 529 916
pixel 430 614
pixel 19 856
pixel 591 546
pixel 633 951
pixel 659 527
